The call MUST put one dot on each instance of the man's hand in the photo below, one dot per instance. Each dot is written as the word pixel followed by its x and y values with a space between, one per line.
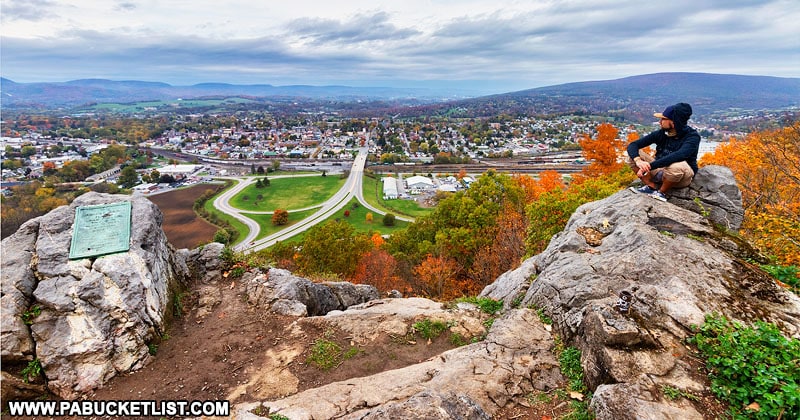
pixel 644 168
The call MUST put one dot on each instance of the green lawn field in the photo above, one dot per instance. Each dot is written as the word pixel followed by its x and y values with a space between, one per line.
pixel 300 192
pixel 265 221
pixel 358 218
pixel 288 193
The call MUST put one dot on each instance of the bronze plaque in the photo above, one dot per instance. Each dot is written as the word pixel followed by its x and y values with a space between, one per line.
pixel 100 230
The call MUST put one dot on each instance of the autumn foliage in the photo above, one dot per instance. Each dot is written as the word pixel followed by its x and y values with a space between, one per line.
pixel 437 275
pixel 767 169
pixel 379 268
pixel 280 217
pixel 470 238
pixel 604 152
pixel 29 201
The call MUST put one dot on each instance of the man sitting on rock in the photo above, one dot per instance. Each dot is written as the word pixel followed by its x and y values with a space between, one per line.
pixel 675 162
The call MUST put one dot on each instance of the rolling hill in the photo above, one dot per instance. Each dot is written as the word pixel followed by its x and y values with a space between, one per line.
pixel 637 97
pixel 634 98
pixel 77 93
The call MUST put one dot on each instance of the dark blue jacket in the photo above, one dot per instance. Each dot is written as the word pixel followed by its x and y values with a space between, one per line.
pixel 669 150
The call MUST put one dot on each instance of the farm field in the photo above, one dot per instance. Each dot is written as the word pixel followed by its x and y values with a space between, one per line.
pixel 172 104
pixel 183 227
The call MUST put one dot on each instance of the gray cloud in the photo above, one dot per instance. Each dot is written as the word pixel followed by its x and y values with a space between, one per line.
pixel 96 54
pixel 360 28
pixel 125 6
pixel 562 42
pixel 32 10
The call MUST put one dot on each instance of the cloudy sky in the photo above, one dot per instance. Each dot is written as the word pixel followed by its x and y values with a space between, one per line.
pixel 483 45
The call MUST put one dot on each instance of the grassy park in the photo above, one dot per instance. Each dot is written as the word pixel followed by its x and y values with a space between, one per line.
pixel 265 221
pixel 358 218
pixel 287 193
pixel 309 191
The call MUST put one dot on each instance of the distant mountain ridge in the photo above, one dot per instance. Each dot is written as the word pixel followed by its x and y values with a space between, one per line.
pixel 634 97
pixel 637 97
pixel 723 90
pixel 86 91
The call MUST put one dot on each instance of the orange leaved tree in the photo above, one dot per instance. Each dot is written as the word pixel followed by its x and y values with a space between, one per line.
pixel 533 188
pixel 504 252
pixel 280 217
pixel 767 169
pixel 603 152
pixel 437 276
pixel 378 268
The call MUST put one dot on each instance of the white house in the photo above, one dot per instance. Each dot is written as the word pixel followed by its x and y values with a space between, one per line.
pixel 389 188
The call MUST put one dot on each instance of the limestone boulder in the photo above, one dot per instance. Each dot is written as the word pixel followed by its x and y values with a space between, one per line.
pixel 676 267
pixel 470 382
pixel 714 193
pixel 282 292
pixel 18 283
pixel 428 404
pixel 204 263
pixel 634 401
pixel 393 317
pixel 94 317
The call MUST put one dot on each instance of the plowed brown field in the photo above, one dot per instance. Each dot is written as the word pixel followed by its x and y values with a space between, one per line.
pixel 183 227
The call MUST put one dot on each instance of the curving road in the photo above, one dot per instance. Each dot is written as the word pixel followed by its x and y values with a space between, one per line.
pixel 222 203
pixel 351 188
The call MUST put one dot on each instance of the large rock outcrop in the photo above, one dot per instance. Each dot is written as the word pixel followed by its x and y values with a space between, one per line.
pixel 714 193
pixel 676 266
pixel 282 292
pixel 469 382
pixel 673 259
pixel 86 320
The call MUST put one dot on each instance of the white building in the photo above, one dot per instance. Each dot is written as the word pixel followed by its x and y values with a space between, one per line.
pixel 178 169
pixel 419 183
pixel 389 188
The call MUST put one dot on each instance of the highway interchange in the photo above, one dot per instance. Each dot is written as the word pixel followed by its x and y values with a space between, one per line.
pixel 351 188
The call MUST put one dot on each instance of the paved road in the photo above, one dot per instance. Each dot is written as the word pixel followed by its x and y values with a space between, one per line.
pixel 351 188
pixel 222 203
pixel 334 204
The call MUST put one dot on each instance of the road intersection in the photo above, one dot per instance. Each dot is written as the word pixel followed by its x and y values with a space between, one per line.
pixel 351 188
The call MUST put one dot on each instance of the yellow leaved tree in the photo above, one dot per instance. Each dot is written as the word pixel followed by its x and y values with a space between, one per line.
pixel 766 165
